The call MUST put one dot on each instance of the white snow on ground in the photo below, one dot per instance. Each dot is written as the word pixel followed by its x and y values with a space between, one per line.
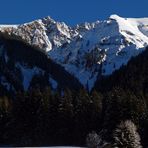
pixel 53 83
pixel 87 50
pixel 28 74
pixel 64 147
pixel 8 26
pixel 54 147
pixel 47 147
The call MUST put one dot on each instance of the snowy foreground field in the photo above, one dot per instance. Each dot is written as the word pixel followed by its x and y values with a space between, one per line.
pixel 46 147
pixel 65 147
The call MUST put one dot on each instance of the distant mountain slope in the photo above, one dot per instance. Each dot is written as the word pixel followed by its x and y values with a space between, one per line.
pixel 132 77
pixel 88 50
pixel 23 67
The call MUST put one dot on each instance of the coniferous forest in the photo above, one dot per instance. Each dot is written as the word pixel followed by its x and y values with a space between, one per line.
pixel 42 117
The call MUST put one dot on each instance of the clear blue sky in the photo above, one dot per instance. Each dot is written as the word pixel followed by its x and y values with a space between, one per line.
pixel 69 11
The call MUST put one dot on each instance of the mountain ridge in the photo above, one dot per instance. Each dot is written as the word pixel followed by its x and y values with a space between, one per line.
pixel 88 50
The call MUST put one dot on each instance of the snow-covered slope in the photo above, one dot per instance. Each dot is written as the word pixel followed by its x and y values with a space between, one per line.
pixel 87 50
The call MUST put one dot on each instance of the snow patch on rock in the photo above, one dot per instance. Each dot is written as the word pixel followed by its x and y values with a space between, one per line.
pixel 28 74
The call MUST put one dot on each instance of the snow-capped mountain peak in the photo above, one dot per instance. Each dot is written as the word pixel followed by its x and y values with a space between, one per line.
pixel 88 50
pixel 132 29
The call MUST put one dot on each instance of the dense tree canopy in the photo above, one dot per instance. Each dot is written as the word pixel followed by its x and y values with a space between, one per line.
pixel 42 117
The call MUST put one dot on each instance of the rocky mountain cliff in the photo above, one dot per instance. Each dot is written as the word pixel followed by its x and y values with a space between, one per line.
pixel 86 51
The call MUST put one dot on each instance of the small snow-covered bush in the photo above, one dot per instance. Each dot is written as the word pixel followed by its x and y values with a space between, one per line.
pixel 126 135
pixel 93 140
